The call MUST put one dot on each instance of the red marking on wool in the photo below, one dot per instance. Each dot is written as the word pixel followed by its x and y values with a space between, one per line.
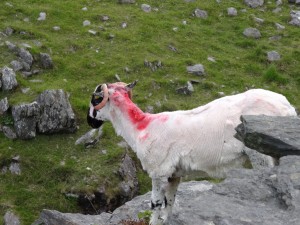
pixel 140 119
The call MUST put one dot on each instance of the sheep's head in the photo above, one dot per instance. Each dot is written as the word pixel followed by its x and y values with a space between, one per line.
pixel 99 104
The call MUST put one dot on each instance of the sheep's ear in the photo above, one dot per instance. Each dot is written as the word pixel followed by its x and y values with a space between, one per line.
pixel 131 85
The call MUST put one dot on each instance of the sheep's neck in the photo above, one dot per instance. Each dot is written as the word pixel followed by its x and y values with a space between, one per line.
pixel 129 121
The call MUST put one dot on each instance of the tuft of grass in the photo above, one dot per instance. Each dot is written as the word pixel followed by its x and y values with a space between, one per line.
pixel 272 75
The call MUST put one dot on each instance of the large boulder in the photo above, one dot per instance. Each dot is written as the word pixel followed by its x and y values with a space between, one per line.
pixel 8 78
pixel 25 119
pixel 249 197
pixel 56 112
pixel 271 135
pixel 254 3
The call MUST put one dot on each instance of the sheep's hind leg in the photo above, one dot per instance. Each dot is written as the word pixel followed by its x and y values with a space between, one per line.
pixel 170 193
pixel 157 199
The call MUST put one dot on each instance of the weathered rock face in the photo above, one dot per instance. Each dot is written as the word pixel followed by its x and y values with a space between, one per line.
pixel 46 61
pixel 56 112
pixel 249 197
pixel 3 106
pixel 25 119
pixel 11 219
pixel 8 78
pixel 254 3
pixel 274 136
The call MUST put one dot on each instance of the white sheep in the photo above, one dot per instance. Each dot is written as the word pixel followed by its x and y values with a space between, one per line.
pixel 173 144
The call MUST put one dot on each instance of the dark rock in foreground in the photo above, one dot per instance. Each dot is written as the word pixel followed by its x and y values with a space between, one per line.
pixel 274 136
pixel 249 197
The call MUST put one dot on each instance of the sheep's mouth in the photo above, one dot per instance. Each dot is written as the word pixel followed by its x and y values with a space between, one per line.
pixel 93 122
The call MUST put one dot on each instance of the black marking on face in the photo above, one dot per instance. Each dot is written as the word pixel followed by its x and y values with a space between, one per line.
pixel 96 100
pixel 94 123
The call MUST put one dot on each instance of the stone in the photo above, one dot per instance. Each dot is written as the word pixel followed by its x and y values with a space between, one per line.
pixel 295 15
pixel 11 219
pixel 93 32
pixel 252 33
pixel 42 16
pixel 126 1
pixel 105 18
pixel 259 160
pixel 128 172
pixel 51 217
pixel 154 65
pixel 279 26
pixel 56 28
pixel 278 2
pixel 46 61
pixel 56 112
pixel 232 11
pixel 200 13
pixel 197 69
pixel 9 132
pixel 90 138
pixel 258 20
pixel 271 135
pixel 9 31
pixel 187 90
pixel 12 47
pixel 3 106
pixel 273 56
pixel 146 8
pixel 26 56
pixel 8 79
pixel 25 119
pixel 14 168
pixel 16 65
pixel 86 23
pixel 254 3
pixel 245 197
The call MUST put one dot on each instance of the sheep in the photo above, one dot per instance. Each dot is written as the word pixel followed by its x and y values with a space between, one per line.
pixel 173 144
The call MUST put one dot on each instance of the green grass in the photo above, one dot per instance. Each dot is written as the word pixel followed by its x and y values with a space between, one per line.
pixel 82 60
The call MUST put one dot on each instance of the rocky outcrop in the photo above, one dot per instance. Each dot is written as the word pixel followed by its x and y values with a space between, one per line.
pixel 266 196
pixel 56 112
pixel 274 136
pixel 8 79
pixel 25 119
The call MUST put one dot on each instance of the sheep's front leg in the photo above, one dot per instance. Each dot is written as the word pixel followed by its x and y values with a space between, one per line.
pixel 170 193
pixel 157 199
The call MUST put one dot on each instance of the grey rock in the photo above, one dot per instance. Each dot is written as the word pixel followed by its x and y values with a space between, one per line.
pixel 26 56
pixel 295 15
pixel 128 172
pixel 9 132
pixel 252 33
pixel 197 69
pixel 277 10
pixel 126 1
pixel 11 219
pixel 270 135
pixel 16 65
pixel 42 16
pixel 254 3
pixel 273 56
pixel 25 119
pixel 9 31
pixel 14 168
pixel 154 65
pixel 90 138
pixel 187 90
pixel 200 13
pixel 12 47
pixel 3 106
pixel 56 28
pixel 232 11
pixel 146 8
pixel 8 79
pixel 268 196
pixel 278 2
pixel 279 26
pixel 275 38
pixel 46 61
pixel 258 20
pixel 86 23
pixel 52 217
pixel 259 160
pixel 56 112
pixel 105 18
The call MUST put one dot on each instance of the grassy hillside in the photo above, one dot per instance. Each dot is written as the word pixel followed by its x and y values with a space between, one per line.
pixel 53 165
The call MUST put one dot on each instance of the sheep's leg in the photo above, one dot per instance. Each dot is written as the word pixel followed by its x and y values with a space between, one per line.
pixel 157 199
pixel 170 193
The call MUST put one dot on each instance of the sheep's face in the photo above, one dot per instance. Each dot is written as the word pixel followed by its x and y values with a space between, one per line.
pixel 95 115
pixel 99 105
